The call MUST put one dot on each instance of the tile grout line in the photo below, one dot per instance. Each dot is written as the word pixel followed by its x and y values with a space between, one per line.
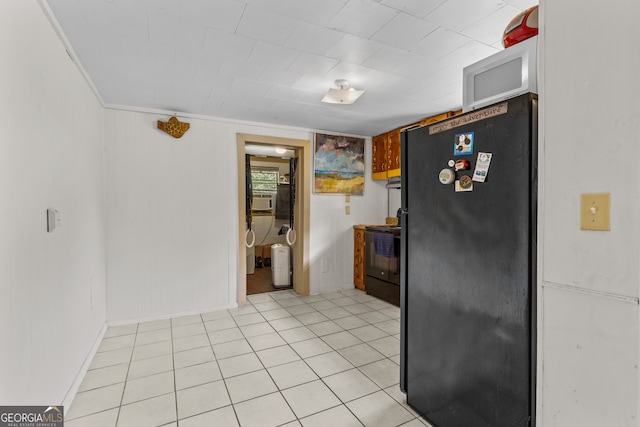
pixel 342 403
pixel 133 348
pixel 173 364
pixel 215 358
pixel 287 344
pixel 266 370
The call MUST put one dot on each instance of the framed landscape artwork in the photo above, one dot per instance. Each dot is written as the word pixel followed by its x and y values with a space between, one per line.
pixel 338 164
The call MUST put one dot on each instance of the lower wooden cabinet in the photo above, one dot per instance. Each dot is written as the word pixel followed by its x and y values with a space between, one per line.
pixel 358 256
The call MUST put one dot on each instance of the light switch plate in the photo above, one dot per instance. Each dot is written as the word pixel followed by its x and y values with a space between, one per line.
pixel 53 220
pixel 347 210
pixel 595 211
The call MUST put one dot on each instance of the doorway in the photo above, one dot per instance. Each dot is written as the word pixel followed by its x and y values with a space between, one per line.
pixel 270 169
pixel 300 249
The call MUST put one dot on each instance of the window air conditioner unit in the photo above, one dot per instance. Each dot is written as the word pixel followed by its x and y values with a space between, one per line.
pixel 262 203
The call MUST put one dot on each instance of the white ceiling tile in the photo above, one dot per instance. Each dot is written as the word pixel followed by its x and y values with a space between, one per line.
pixel 362 18
pixel 272 60
pixel 212 108
pixel 403 86
pixel 451 101
pixel 288 107
pixel 71 16
pixel 178 97
pixel 457 15
pixel 189 61
pixel 311 83
pixel 357 75
pixel 379 80
pixel 489 30
pixel 314 39
pixel 279 77
pixel 204 80
pixel 219 94
pixel 206 67
pixel 132 95
pixel 466 55
pixel 354 49
pixel 309 63
pixel 417 8
pixel 240 69
pixel 221 43
pixel 439 43
pixel 221 14
pixel 404 31
pixel 293 95
pixel 95 43
pixel 178 74
pixel 248 101
pixel 270 55
pixel 252 87
pixel 149 51
pixel 165 7
pixel 390 59
pixel 116 19
pixel 522 4
pixel 311 11
pixel 447 81
pixel 172 31
pixel 421 69
pixel 259 24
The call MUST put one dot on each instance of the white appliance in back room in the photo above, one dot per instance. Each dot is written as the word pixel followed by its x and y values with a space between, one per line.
pixel 280 265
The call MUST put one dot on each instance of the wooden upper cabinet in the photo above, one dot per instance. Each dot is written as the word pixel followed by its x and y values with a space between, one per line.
pixel 393 153
pixel 379 157
pixel 385 148
pixel 436 118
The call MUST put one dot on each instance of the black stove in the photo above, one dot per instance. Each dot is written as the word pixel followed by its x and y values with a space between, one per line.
pixel 382 262
pixel 394 229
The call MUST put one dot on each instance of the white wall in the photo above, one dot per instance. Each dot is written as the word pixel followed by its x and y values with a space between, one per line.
pixel 331 248
pixel 590 107
pixel 52 285
pixel 172 217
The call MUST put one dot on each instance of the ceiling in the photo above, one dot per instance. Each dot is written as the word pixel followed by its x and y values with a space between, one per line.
pixel 272 61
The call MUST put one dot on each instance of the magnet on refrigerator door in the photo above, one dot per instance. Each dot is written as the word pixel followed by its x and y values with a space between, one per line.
pixel 446 176
pixel 464 184
pixel 461 165
pixel 482 167
pixel 463 144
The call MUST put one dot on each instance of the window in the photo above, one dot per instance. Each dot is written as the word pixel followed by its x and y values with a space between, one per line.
pixel 264 179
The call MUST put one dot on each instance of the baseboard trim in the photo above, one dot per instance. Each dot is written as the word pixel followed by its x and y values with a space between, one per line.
pixel 169 316
pixel 75 385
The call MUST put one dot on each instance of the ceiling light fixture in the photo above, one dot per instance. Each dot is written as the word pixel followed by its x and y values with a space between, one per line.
pixel 344 95
pixel 281 150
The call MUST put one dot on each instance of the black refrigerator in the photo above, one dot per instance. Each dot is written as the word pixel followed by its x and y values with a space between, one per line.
pixel 468 262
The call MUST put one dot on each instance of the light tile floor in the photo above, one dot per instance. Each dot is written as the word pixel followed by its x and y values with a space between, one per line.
pixel 281 360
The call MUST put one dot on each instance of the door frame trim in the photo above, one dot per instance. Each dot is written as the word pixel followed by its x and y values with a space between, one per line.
pixel 301 210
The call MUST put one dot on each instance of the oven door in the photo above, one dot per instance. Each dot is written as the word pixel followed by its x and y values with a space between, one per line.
pixel 382 256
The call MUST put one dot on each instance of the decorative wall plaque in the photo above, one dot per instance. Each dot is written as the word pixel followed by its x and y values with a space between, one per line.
pixel 174 127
